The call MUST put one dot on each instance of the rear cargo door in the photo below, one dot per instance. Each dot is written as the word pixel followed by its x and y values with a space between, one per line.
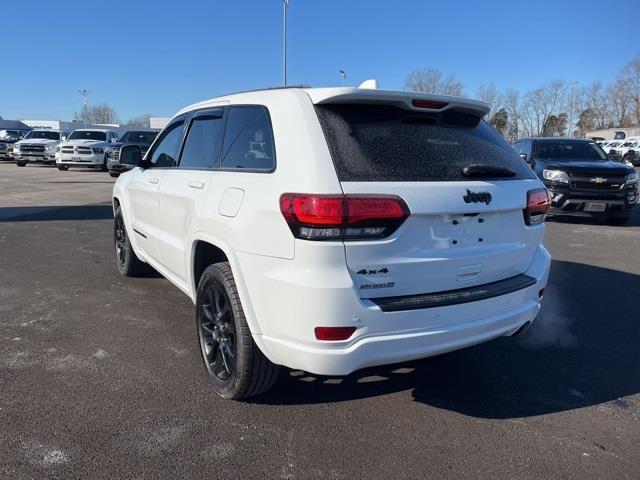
pixel 466 227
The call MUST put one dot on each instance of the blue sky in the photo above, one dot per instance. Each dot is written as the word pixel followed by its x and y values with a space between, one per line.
pixel 143 56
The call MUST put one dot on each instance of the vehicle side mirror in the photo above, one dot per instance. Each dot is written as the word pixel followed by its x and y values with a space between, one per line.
pixel 113 140
pixel 131 155
pixel 63 139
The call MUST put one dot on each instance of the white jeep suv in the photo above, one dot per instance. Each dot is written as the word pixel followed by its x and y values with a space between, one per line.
pixel 332 229
pixel 85 148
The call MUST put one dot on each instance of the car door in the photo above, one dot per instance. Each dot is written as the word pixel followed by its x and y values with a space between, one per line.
pixel 183 191
pixel 144 184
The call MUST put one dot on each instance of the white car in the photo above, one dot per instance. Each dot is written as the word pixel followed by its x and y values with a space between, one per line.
pixel 333 229
pixel 85 148
pixel 38 146
pixel 612 148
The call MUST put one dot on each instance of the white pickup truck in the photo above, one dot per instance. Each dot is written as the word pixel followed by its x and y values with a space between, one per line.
pixel 38 146
pixel 85 148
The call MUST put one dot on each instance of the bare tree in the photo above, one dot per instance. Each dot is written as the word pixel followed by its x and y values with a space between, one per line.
pixel 434 81
pixel 512 106
pixel 574 104
pixel 102 113
pixel 140 121
pixel 620 98
pixel 489 95
pixel 598 103
pixel 631 75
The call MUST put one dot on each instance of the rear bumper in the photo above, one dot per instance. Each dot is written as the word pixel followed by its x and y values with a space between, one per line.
pixel 388 337
pixel 386 349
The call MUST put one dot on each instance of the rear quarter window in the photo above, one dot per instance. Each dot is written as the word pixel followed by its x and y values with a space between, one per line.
pixel 372 143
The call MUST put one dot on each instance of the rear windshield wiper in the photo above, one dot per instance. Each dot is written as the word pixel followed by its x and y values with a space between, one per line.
pixel 477 170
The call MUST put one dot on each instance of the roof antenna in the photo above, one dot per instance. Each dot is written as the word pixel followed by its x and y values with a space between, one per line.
pixel 371 84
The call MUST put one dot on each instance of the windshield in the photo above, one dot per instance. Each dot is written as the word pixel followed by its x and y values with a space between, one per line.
pixel 47 135
pixel 568 150
pixel 139 137
pixel 88 135
pixel 11 134
pixel 379 143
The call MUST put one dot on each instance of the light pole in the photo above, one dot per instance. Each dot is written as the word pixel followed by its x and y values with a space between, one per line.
pixel 343 74
pixel 84 93
pixel 285 6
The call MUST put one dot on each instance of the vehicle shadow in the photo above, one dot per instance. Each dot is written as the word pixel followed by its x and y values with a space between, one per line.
pixel 584 349
pixel 56 212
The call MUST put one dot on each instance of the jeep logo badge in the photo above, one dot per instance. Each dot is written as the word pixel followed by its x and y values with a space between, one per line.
pixel 477 197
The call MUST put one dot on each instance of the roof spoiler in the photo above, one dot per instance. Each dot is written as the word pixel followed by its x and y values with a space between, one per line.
pixel 422 102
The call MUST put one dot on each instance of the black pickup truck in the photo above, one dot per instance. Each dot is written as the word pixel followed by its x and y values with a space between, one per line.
pixel 142 138
pixel 581 178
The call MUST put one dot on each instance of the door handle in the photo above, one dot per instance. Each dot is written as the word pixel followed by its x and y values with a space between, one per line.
pixel 153 180
pixel 197 184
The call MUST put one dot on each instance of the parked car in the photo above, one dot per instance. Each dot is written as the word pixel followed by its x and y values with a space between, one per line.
pixel 85 148
pixel 38 146
pixel 143 138
pixel 611 149
pixel 333 229
pixel 580 177
pixel 7 139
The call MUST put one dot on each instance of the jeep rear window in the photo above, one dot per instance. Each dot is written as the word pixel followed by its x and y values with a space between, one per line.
pixel 374 143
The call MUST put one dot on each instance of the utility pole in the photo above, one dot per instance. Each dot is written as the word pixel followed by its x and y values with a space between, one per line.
pixel 84 93
pixel 285 6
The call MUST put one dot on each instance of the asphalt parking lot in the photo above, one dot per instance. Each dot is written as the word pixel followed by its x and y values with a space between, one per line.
pixel 100 376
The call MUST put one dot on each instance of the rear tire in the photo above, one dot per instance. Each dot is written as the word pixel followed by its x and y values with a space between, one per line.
pixel 114 174
pixel 63 168
pixel 21 164
pixel 127 261
pixel 234 364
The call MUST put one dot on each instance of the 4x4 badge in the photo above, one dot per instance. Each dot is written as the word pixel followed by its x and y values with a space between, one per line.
pixel 477 197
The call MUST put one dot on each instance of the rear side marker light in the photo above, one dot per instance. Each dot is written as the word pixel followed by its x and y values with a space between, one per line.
pixel 333 334
pixel 538 203
pixel 430 104
pixel 342 217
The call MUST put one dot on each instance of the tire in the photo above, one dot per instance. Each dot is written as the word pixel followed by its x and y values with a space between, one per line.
pixel 243 371
pixel 619 221
pixel 114 174
pixel 104 165
pixel 127 262
pixel 63 168
pixel 21 164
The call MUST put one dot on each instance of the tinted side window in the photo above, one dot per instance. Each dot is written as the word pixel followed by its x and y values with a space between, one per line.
pixel 165 154
pixel 201 147
pixel 248 140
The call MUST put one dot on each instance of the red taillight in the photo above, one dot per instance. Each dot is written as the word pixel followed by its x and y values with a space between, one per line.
pixel 537 205
pixel 333 334
pixel 342 217
pixel 430 104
